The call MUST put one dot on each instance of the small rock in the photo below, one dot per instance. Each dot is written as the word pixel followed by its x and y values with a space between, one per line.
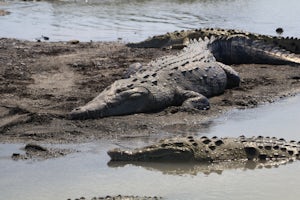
pixel 15 156
pixel 4 12
pixel 34 147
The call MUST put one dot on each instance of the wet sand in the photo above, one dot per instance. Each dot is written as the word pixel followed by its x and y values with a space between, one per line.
pixel 41 82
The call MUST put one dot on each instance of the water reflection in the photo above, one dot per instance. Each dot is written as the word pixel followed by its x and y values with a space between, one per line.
pixel 186 129
pixel 192 168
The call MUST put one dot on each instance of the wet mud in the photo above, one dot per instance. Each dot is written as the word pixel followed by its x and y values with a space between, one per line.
pixel 41 82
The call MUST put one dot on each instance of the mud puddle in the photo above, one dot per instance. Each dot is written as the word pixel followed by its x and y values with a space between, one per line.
pixel 89 173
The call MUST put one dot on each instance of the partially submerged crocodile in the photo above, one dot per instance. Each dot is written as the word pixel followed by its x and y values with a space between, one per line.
pixel 180 39
pixel 186 79
pixel 212 150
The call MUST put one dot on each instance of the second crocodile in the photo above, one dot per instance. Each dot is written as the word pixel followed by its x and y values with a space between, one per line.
pixel 180 39
pixel 212 150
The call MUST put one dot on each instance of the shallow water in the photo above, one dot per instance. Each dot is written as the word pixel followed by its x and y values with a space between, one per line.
pixel 88 173
pixel 134 20
pixel 279 119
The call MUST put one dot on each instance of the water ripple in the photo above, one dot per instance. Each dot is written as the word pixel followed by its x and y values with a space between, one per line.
pixel 111 19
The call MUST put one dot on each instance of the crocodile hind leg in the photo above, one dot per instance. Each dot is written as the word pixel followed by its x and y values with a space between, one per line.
pixel 233 79
pixel 194 100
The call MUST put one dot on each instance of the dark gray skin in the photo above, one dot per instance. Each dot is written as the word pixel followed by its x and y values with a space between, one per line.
pixel 211 150
pixel 187 79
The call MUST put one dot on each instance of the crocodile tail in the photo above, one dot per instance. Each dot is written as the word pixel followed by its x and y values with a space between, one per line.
pixel 243 50
pixel 291 44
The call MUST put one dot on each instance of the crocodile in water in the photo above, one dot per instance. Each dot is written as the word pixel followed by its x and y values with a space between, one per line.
pixel 212 150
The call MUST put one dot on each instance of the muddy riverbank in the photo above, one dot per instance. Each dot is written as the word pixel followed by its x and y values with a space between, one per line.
pixel 41 82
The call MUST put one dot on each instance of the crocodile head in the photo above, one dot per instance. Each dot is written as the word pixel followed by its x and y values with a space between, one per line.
pixel 120 98
pixel 164 151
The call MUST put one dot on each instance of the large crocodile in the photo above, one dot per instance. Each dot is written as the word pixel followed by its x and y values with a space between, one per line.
pixel 186 79
pixel 179 39
pixel 212 150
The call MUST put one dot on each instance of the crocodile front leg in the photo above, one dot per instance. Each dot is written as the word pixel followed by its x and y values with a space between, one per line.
pixel 194 100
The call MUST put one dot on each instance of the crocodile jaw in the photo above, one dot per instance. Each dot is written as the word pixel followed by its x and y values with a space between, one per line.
pixel 155 154
pixel 115 101
pixel 85 112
